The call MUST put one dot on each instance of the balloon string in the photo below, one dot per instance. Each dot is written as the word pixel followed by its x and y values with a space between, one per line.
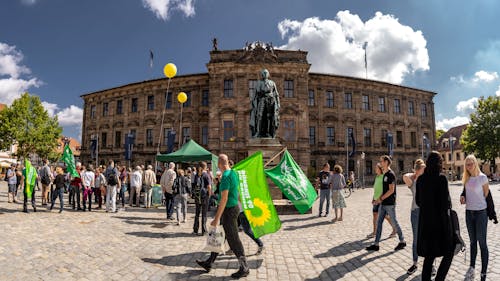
pixel 163 117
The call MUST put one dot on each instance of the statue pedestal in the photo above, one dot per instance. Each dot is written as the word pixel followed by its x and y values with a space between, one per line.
pixel 270 147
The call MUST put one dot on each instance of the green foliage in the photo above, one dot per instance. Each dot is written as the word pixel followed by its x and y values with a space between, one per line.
pixel 482 135
pixel 439 133
pixel 27 124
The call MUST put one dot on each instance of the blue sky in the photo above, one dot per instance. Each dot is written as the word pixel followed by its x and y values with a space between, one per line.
pixel 61 49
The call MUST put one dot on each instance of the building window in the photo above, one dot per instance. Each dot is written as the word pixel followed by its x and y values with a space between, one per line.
pixel 411 108
pixel 457 156
pixel 310 100
pixel 330 135
pixel 133 132
pixel 204 135
pixel 105 110
pixel 166 131
pixel 397 106
pixel 168 100
pixel 401 165
pixel 350 131
pixel 289 130
pixel 134 105
pixel 383 138
pixel 449 157
pixel 228 88
pixel 313 163
pixel 151 102
pixel 413 139
pixel 149 137
pixel 288 88
pixel 188 100
pixel 92 111
pixel 186 134
pixel 381 104
pixel 119 107
pixel 424 109
pixel 118 139
pixel 368 136
pixel 104 139
pixel 369 167
pixel 348 100
pixel 228 130
pixel 312 135
pixel 204 98
pixel 399 138
pixel 329 99
pixel 366 102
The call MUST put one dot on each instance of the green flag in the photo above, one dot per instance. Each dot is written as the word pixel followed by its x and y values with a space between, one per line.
pixel 69 159
pixel 30 176
pixel 293 183
pixel 254 196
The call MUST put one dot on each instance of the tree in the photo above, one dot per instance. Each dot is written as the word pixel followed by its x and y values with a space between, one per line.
pixel 439 133
pixel 27 124
pixel 482 135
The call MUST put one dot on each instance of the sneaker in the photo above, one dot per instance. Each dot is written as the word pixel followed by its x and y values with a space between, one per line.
pixel 433 272
pixel 373 248
pixel 240 273
pixel 400 246
pixel 469 275
pixel 259 250
pixel 206 265
pixel 411 270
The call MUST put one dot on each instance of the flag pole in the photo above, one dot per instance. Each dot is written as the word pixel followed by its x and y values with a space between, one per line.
pixel 347 151
pixel 274 157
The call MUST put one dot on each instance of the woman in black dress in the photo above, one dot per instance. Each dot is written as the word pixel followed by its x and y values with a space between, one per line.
pixel 435 236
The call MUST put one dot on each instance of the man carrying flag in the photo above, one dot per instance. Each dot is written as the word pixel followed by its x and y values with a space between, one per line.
pixel 227 213
pixel 28 181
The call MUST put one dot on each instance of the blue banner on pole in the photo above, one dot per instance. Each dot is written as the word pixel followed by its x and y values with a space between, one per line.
pixel 390 144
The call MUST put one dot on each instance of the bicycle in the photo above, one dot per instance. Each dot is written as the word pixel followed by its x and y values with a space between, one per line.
pixel 347 191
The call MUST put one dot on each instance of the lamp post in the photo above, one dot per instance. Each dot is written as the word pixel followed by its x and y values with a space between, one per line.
pixel 181 98
pixel 451 140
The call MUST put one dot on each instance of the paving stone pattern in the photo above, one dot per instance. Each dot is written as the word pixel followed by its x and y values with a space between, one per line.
pixel 139 244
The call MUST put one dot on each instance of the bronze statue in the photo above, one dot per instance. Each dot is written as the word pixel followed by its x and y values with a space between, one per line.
pixel 264 117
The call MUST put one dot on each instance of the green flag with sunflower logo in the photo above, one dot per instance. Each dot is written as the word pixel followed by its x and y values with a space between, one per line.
pixel 292 181
pixel 254 196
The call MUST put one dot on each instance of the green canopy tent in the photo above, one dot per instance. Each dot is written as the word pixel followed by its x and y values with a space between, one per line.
pixel 190 152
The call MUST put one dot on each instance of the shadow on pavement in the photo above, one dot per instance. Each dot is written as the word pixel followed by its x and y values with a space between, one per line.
pixel 295 227
pixel 344 249
pixel 10 211
pixel 407 277
pixel 159 234
pixel 340 269
pixel 137 218
pixel 300 219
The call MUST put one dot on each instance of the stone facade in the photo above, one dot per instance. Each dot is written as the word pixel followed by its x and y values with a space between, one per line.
pixel 316 112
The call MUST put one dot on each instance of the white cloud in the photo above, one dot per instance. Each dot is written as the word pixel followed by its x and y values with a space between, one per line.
pixel 12 72
pixel 484 76
pixel 468 105
pixel 50 107
pixel 394 50
pixel 70 116
pixel 29 2
pixel 162 8
pixel 446 124
pixel 498 92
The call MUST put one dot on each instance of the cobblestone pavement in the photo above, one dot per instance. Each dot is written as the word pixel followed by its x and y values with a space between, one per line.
pixel 139 244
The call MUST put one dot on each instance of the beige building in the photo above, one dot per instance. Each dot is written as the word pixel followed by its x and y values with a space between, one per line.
pixel 316 112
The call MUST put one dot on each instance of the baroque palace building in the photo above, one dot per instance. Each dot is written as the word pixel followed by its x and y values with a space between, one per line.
pixel 317 110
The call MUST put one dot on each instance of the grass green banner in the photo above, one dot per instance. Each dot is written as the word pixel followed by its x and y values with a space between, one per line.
pixel 254 196
pixel 288 176
pixel 69 160
pixel 30 176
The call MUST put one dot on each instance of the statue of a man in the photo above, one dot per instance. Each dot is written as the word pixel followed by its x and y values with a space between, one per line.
pixel 264 117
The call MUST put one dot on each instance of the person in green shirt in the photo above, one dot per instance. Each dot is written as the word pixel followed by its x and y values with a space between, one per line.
pixel 227 214
pixel 377 192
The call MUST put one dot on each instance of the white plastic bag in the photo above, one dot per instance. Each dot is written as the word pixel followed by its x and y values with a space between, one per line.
pixel 215 240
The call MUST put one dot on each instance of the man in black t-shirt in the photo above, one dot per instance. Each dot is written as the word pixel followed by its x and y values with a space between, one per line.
pixel 324 189
pixel 387 203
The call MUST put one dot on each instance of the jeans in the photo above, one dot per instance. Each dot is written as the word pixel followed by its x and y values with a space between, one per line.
pixel 111 198
pixel 148 193
pixel 25 204
pixel 243 221
pixel 324 194
pixel 477 223
pixel 75 196
pixel 98 196
pixel 414 228
pixel 202 208
pixel 389 210
pixel 58 192
pixel 444 266
pixel 122 193
pixel 181 203
pixel 169 204
pixel 87 195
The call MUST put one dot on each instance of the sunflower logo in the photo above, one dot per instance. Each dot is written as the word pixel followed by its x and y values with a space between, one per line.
pixel 260 214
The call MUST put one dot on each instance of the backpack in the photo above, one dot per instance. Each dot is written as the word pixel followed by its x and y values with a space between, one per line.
pixel 45 176
pixel 199 191
pixel 6 173
pixel 111 179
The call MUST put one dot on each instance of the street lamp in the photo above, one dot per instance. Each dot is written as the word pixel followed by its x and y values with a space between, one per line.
pixel 181 98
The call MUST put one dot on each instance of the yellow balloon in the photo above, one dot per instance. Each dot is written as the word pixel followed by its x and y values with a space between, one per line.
pixel 170 70
pixel 182 97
